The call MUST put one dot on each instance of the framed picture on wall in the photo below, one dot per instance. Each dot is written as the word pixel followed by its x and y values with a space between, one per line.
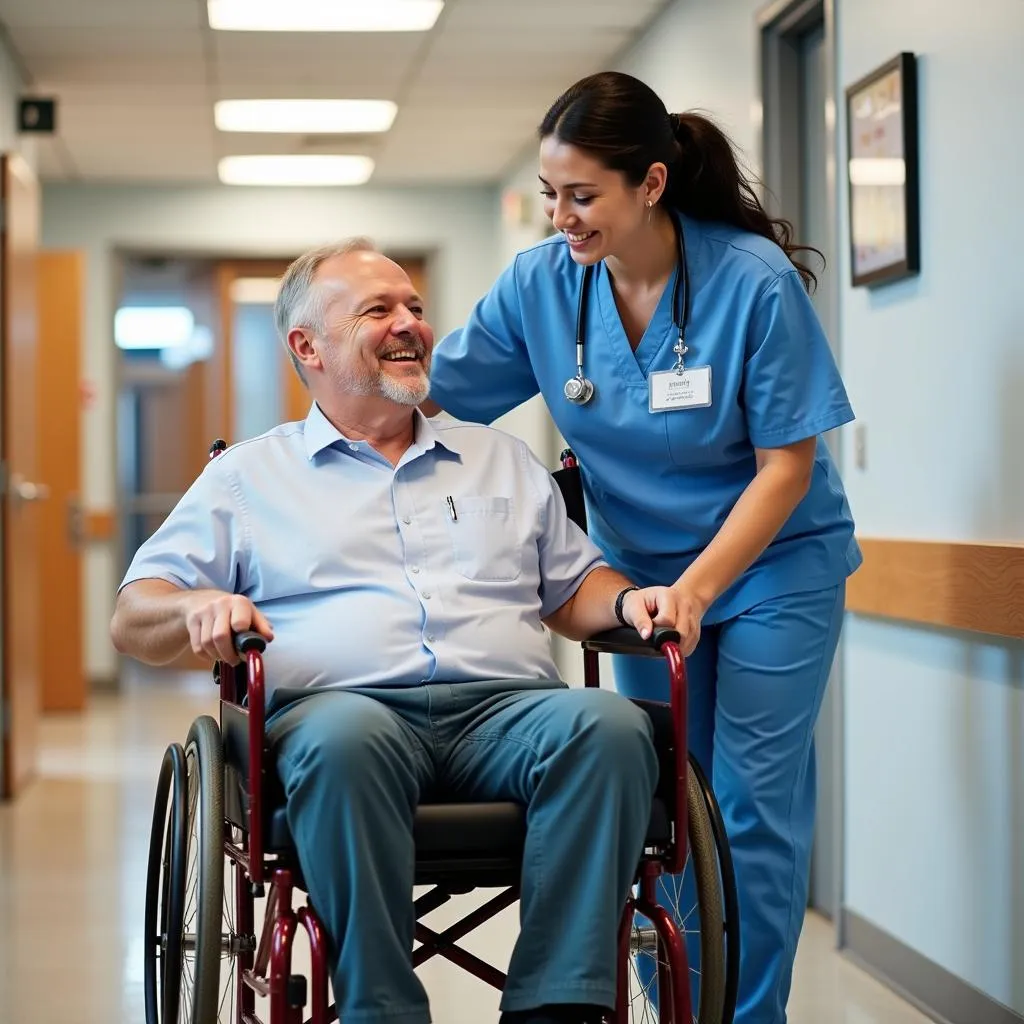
pixel 882 170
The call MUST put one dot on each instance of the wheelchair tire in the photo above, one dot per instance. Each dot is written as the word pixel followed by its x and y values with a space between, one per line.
pixel 730 897
pixel 165 889
pixel 199 965
pixel 704 860
pixel 709 991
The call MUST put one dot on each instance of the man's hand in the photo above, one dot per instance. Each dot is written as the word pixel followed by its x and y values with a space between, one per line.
pixel 665 606
pixel 213 618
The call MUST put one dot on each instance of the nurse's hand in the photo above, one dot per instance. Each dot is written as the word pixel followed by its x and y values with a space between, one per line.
pixel 665 606
pixel 650 607
pixel 689 614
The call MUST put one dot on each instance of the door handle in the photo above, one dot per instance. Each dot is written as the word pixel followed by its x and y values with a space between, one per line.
pixel 22 490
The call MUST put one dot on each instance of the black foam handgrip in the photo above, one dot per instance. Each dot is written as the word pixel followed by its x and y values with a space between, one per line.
pixel 249 641
pixel 626 640
pixel 663 635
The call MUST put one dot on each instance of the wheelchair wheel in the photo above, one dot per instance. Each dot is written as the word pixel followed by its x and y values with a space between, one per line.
pixel 204 887
pixel 165 889
pixel 731 902
pixel 699 904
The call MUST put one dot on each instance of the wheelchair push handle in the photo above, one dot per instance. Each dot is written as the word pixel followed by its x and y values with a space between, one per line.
pixel 626 640
pixel 248 640
pixel 663 635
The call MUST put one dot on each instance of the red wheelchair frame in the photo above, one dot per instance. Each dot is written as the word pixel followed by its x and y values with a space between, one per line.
pixel 267 970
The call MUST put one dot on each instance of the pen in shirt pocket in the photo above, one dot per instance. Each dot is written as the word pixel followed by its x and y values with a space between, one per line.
pixel 451 509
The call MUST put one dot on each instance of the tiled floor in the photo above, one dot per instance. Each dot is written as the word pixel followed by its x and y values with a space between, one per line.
pixel 72 881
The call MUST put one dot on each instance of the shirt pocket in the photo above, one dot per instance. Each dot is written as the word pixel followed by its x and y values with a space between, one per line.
pixel 485 542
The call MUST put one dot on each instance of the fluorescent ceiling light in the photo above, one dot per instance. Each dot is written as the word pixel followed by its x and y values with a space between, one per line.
pixel 255 291
pixel 304 117
pixel 148 327
pixel 323 15
pixel 300 169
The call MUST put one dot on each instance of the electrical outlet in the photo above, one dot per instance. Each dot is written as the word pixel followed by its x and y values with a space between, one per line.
pixel 860 446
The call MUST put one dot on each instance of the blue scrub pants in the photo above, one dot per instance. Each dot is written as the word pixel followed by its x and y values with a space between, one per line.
pixel 355 763
pixel 755 688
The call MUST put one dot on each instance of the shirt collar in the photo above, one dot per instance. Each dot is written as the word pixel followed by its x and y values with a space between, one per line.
pixel 320 433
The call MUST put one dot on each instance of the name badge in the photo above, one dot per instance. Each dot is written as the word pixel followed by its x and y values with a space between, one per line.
pixel 690 389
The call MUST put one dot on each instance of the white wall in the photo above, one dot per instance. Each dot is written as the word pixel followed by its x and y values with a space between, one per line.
pixel 11 87
pixel 935 365
pixel 456 226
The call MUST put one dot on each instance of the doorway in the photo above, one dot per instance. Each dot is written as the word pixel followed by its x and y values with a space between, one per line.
pixel 20 488
pixel 797 48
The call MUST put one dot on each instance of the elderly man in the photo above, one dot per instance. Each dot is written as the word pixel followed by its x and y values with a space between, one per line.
pixel 403 570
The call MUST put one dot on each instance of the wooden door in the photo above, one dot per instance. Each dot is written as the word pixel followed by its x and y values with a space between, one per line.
pixel 62 526
pixel 293 394
pixel 22 491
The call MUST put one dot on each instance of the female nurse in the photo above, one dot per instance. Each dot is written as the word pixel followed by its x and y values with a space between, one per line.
pixel 668 327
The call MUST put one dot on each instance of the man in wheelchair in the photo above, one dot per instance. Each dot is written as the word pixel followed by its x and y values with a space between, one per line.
pixel 404 570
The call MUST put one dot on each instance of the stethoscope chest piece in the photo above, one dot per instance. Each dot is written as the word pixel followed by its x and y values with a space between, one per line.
pixel 579 390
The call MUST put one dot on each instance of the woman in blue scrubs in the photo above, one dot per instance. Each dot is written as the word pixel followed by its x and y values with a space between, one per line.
pixel 702 458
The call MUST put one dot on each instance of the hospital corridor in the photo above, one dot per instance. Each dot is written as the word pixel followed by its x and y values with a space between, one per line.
pixel 554 460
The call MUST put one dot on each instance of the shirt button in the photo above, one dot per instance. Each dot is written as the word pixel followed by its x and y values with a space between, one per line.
pixel 426 595
pixel 430 638
pixel 414 568
pixel 354 447
pixel 407 520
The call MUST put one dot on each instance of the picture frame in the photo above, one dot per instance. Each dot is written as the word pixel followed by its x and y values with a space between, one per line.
pixel 882 173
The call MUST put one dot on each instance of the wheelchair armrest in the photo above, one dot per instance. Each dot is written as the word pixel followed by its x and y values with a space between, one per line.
pixel 626 640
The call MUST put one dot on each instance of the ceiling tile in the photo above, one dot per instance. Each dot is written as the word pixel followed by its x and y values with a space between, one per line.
pixel 136 81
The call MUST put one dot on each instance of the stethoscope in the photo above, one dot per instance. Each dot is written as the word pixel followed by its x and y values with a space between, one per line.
pixel 580 389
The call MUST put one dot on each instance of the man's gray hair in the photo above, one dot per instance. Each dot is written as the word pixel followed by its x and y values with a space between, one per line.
pixel 300 302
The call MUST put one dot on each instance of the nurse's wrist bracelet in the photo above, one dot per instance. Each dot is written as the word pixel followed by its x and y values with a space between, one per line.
pixel 618 603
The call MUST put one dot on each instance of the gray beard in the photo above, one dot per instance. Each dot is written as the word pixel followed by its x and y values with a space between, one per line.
pixel 402 393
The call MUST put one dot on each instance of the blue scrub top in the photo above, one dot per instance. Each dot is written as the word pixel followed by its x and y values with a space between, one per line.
pixel 660 485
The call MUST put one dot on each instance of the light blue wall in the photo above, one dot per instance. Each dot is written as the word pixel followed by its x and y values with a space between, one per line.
pixel 935 366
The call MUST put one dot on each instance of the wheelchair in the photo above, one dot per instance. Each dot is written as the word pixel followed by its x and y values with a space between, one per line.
pixel 220 842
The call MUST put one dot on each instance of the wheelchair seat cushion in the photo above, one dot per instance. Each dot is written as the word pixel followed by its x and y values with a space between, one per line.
pixel 454 840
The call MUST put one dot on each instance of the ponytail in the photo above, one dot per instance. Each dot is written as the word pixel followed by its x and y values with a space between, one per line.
pixel 705 182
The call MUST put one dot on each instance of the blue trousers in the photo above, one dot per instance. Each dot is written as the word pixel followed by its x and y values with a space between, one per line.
pixel 755 688
pixel 355 763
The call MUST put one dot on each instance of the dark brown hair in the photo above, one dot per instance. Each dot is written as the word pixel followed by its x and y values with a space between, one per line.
pixel 624 124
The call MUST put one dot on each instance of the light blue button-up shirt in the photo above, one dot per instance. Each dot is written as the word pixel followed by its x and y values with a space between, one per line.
pixel 368 574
